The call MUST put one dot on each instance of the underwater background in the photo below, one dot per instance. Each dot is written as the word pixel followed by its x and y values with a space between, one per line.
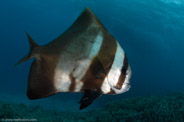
pixel 150 31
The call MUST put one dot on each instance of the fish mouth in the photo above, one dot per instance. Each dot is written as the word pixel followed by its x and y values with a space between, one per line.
pixel 126 84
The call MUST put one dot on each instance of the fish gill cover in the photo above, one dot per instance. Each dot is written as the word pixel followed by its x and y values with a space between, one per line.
pixel 151 32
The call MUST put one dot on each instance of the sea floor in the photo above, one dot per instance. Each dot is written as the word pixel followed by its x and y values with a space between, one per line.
pixel 142 109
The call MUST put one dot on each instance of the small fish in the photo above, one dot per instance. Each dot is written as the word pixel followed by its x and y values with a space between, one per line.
pixel 85 58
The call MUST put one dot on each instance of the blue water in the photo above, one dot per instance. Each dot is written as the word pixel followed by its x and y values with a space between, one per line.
pixel 150 31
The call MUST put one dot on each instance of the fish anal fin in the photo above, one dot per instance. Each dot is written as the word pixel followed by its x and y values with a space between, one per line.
pixel 88 97
pixel 40 84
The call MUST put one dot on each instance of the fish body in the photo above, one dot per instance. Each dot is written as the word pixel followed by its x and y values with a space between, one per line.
pixel 85 58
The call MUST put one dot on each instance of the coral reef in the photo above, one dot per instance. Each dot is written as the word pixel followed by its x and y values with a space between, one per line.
pixel 152 108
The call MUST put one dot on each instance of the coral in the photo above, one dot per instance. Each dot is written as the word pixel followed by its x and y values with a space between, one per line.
pixel 152 108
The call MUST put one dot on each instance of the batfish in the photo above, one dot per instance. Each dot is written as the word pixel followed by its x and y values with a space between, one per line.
pixel 85 58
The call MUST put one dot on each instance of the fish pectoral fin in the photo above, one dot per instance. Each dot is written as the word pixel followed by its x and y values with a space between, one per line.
pixel 88 97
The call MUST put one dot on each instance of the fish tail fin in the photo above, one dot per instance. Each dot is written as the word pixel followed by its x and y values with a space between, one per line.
pixel 33 45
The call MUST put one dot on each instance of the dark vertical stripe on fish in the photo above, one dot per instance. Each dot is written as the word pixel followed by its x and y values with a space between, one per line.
pixel 95 75
pixel 123 73
pixel 101 64
pixel 73 83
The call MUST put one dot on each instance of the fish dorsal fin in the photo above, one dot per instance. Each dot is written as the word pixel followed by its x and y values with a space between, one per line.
pixel 86 18
pixel 40 82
